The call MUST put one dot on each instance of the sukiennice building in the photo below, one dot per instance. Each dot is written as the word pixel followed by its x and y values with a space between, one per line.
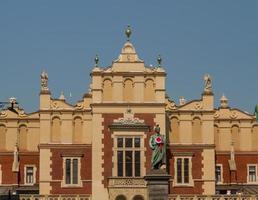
pixel 99 148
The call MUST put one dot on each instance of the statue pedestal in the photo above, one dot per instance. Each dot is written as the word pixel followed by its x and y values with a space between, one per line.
pixel 157 184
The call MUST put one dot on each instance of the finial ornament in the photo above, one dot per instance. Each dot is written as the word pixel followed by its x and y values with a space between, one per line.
pixel 159 59
pixel 44 81
pixel 96 60
pixel 128 32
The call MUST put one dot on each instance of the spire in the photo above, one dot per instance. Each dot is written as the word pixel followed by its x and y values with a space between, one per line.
pixel 224 101
pixel 62 97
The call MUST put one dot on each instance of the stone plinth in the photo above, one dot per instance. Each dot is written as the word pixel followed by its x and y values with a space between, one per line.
pixel 157 184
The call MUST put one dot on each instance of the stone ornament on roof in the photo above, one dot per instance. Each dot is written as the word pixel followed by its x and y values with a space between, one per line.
pixel 128 53
pixel 224 101
pixel 207 84
pixel 44 82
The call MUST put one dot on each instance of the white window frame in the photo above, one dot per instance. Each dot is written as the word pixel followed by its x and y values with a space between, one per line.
pixel 248 180
pixel 142 149
pixel 63 183
pixel 221 174
pixel 190 183
pixel 34 174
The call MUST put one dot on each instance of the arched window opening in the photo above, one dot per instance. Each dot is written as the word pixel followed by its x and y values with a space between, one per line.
pixel 138 197
pixel 235 136
pixel 2 137
pixel 120 197
pixel 149 90
pixel 174 136
pixel 77 130
pixel 255 137
pixel 107 90
pixel 56 130
pixel 196 130
pixel 22 137
pixel 128 90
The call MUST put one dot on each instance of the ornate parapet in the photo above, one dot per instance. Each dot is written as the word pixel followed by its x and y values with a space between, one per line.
pixel 126 182
pixel 128 187
pixel 54 197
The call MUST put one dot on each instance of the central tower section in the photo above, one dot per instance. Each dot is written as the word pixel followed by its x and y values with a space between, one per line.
pixel 122 95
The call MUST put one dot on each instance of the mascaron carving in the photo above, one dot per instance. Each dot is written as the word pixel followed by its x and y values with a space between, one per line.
pixel 128 119
pixel 233 115
pixel 3 113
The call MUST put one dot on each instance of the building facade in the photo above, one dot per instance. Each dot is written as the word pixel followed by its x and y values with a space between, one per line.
pixel 99 148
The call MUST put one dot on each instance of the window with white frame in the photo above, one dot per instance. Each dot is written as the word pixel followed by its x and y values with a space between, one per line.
pixel 252 173
pixel 29 174
pixel 218 174
pixel 183 171
pixel 128 156
pixel 71 171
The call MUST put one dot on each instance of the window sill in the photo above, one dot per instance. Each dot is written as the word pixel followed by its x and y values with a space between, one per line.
pixel 63 185
pixel 252 183
pixel 29 184
pixel 183 185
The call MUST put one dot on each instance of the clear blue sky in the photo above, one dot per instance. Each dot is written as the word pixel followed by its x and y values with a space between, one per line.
pixel 194 37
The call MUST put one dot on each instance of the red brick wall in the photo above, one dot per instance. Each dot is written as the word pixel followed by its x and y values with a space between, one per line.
pixel 6 162
pixel 9 177
pixel 196 171
pixel 242 160
pixel 28 160
pixel 57 170
pixel 108 142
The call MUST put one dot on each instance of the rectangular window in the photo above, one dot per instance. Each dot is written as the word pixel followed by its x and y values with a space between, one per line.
pixel 218 174
pixel 29 175
pixel 128 156
pixel 71 171
pixel 252 173
pixel 182 170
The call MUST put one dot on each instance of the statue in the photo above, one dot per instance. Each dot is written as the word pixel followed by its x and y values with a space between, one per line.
pixel 44 81
pixel 207 83
pixel 15 166
pixel 158 145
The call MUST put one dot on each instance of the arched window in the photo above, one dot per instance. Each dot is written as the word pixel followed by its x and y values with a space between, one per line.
pixel 120 197
pixel 255 137
pixel 196 130
pixel 235 130
pixel 22 137
pixel 138 197
pixel 149 90
pixel 77 130
pixel 56 130
pixel 107 90
pixel 128 90
pixel 2 137
pixel 174 136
